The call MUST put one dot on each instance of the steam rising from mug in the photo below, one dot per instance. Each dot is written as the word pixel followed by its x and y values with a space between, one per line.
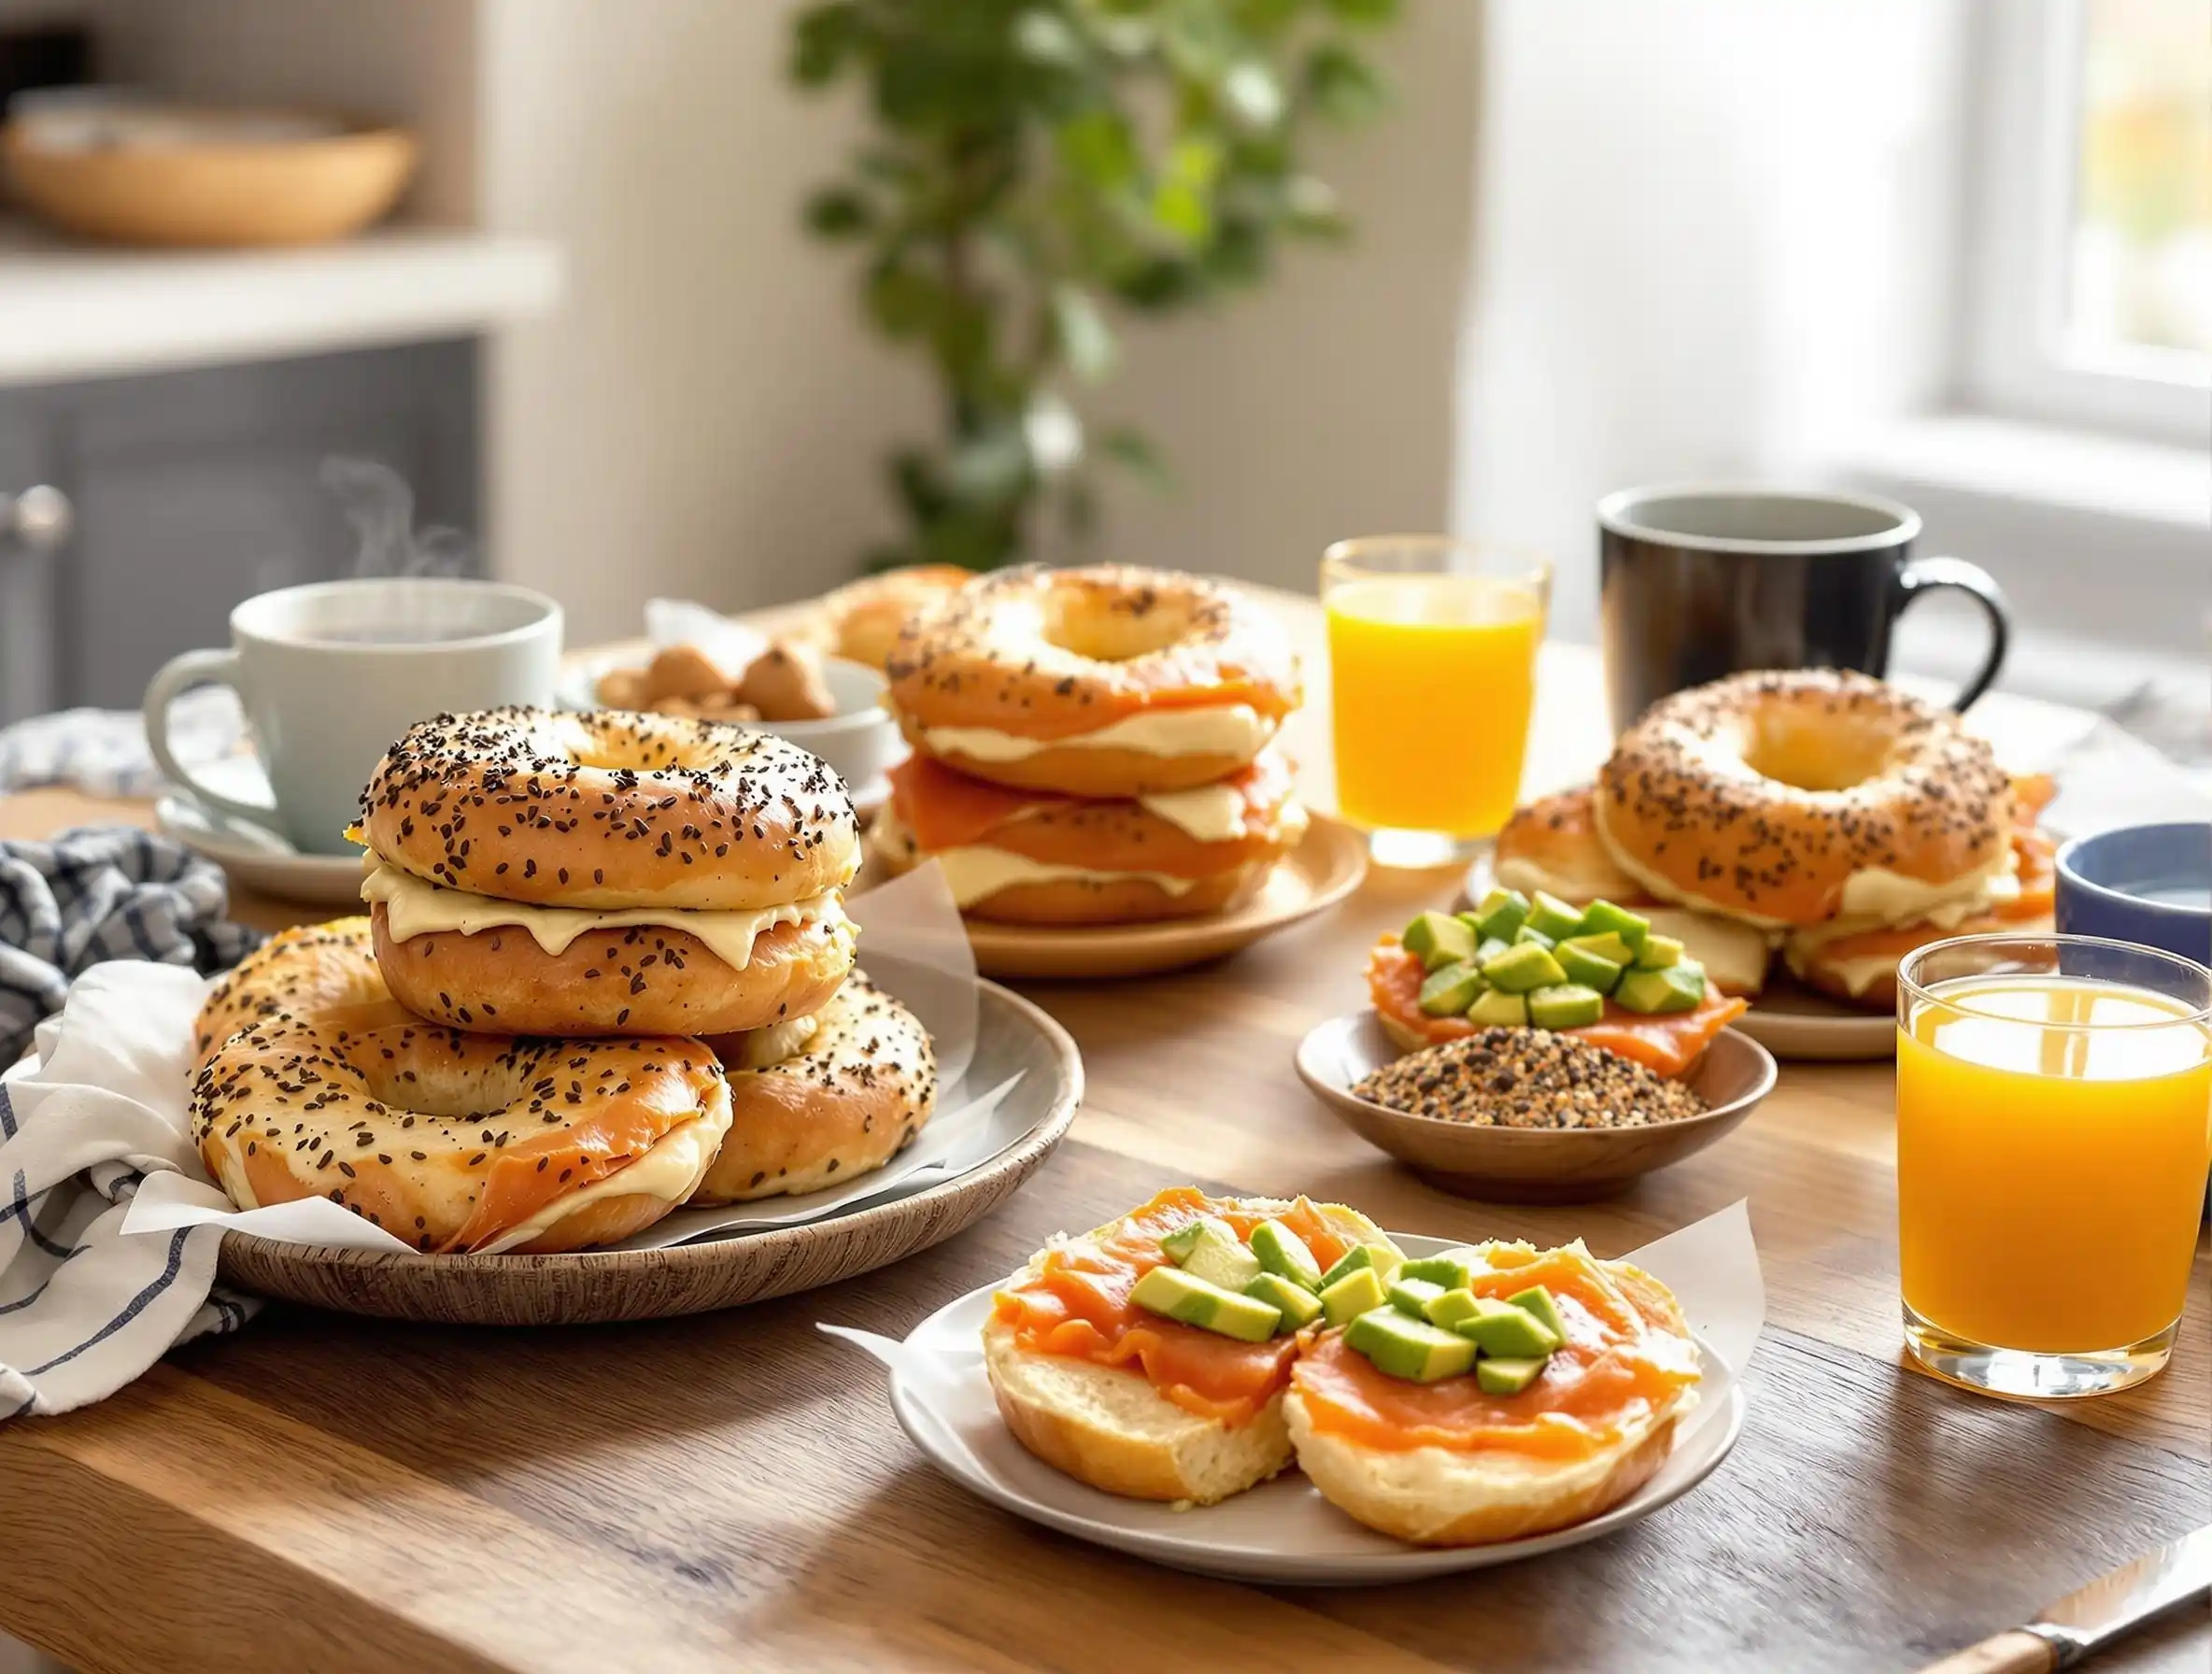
pixel 379 504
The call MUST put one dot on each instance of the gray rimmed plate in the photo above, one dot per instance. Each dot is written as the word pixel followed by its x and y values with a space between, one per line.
pixel 1529 1165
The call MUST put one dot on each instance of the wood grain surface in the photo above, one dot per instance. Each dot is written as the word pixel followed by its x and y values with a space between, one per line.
pixel 730 1491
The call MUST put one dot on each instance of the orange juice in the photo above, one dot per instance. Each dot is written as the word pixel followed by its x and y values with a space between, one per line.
pixel 1433 677
pixel 2050 1178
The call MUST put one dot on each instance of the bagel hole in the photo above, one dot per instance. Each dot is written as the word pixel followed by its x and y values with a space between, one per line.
pixel 1814 753
pixel 470 1094
pixel 1118 627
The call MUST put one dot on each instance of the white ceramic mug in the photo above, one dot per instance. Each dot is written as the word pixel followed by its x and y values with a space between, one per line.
pixel 332 672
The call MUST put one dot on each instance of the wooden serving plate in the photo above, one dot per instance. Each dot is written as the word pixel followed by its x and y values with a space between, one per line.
pixel 1324 869
pixel 596 1286
pixel 1529 1165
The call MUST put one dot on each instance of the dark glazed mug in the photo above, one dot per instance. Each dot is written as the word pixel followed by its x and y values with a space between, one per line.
pixel 1696 582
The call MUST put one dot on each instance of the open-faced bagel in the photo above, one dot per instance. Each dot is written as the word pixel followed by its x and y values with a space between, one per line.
pixel 820 1101
pixel 1106 681
pixel 458 1141
pixel 1786 798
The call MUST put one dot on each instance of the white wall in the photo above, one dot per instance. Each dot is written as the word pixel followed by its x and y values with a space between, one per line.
pixel 704 415
pixel 1322 405
pixel 1716 239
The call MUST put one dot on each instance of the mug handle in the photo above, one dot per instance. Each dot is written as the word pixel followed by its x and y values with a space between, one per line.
pixel 179 675
pixel 1926 575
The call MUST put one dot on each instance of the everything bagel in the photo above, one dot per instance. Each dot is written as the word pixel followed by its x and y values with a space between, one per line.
pixel 1037 858
pixel 309 971
pixel 1106 681
pixel 462 1142
pixel 607 872
pixel 816 1102
pixel 1791 798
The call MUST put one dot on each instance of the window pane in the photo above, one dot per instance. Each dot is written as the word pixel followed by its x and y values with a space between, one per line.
pixel 2141 260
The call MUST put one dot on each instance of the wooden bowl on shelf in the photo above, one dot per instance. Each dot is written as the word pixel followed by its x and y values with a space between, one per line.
pixel 1529 1165
pixel 219 187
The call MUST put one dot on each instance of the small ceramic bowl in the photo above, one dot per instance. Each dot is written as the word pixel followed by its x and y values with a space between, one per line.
pixel 2150 885
pixel 1529 1165
pixel 861 741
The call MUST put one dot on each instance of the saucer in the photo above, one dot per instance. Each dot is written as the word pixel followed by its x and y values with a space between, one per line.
pixel 254 857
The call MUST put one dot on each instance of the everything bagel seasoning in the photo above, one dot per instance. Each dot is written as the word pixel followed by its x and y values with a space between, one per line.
pixel 1527 1078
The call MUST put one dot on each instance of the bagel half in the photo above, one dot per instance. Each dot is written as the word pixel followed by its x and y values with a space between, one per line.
pixel 1109 1425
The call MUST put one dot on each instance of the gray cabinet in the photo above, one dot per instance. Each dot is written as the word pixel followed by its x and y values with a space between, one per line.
pixel 191 490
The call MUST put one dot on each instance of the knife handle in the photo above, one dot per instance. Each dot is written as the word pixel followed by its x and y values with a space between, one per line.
pixel 2014 1651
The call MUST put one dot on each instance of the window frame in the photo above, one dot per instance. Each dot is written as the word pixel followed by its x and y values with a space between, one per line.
pixel 2017 358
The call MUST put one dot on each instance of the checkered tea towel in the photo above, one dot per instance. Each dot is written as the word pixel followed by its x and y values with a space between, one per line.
pixel 102 892
pixel 102 752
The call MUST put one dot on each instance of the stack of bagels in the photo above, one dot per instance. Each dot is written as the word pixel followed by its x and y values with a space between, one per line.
pixel 607 970
pixel 1091 747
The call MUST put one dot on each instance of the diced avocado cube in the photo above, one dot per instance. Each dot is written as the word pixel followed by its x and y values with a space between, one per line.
pixel 1471 921
pixel 1381 1257
pixel 1410 1348
pixel 1179 1244
pixel 1297 1306
pixel 1502 1329
pixel 1529 936
pixel 1520 968
pixel 1658 953
pixel 1554 917
pixel 1606 944
pixel 1175 1292
pixel 1564 1005
pixel 1508 1376
pixel 1676 988
pixel 1494 1008
pixel 1280 1251
pixel 1413 1295
pixel 1500 912
pixel 1593 970
pixel 1600 917
pixel 1489 948
pixel 1451 1271
pixel 1536 1301
pixel 1220 1257
pixel 1357 1292
pixel 1440 939
pixel 1450 989
pixel 1453 1307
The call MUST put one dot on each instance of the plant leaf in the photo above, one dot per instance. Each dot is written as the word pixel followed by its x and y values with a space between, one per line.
pixel 1364 13
pixel 1342 85
pixel 822 40
pixel 1130 449
pixel 1085 337
pixel 839 212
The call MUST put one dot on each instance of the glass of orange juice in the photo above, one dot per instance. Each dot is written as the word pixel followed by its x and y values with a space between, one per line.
pixel 2054 1128
pixel 1432 647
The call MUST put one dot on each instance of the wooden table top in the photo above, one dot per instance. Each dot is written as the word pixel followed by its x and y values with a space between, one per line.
pixel 731 1491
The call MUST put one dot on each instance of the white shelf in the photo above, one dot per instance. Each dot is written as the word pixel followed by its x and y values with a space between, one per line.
pixel 73 310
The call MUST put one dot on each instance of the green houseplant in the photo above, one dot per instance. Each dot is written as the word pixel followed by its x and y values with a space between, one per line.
pixel 1033 165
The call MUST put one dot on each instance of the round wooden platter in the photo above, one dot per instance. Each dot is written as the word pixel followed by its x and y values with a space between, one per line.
pixel 1321 871
pixel 596 1286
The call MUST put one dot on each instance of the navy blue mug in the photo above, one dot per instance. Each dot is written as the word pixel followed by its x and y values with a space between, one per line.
pixel 2151 885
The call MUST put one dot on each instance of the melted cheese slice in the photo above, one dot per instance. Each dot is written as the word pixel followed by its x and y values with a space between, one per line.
pixel 671 1170
pixel 973 873
pixel 414 906
pixel 1221 729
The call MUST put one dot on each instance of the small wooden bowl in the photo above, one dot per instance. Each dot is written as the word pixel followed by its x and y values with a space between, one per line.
pixel 214 196
pixel 1529 1165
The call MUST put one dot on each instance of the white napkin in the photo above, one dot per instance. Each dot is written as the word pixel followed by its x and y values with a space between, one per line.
pixel 2108 777
pixel 83 1307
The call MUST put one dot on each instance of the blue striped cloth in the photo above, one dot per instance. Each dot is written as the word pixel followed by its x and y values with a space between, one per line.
pixel 105 922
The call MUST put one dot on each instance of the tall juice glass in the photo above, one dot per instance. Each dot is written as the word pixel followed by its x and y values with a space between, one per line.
pixel 1432 647
pixel 2054 1127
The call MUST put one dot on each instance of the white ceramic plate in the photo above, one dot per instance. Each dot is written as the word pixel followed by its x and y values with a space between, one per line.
pixel 1282 1533
pixel 254 857
pixel 1788 1019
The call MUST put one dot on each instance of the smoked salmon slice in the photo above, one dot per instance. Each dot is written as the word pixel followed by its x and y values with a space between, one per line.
pixel 1667 1043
